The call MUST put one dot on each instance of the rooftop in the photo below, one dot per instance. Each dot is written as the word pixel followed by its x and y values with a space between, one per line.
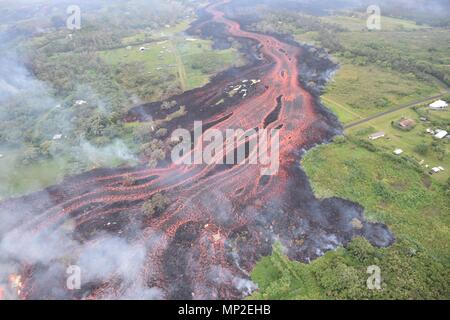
pixel 405 123
pixel 439 104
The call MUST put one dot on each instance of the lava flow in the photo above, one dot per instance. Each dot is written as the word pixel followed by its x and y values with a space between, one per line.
pixel 221 219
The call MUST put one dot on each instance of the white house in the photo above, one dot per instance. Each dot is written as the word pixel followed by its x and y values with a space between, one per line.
pixel 398 152
pixel 377 135
pixel 437 169
pixel 57 137
pixel 438 105
pixel 440 134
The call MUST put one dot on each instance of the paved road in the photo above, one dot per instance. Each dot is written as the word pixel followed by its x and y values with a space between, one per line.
pixel 411 104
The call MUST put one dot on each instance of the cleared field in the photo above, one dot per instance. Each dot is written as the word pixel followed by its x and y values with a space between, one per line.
pixel 186 64
pixel 357 22
pixel 16 181
pixel 359 91
pixel 18 178
pixel 142 37
pixel 409 141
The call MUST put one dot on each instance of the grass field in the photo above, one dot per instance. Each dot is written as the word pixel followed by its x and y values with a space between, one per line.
pixel 424 45
pixel 369 84
pixel 359 91
pixel 18 178
pixel 15 181
pixel 141 37
pixel 413 206
pixel 409 140
pixel 357 22
pixel 175 58
pixel 363 87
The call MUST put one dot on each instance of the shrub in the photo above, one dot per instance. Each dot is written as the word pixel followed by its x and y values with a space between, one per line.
pixel 421 149
pixel 155 205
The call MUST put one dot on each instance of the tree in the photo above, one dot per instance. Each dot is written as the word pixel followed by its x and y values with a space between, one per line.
pixel 166 105
pixel 161 133
pixel 154 151
pixel 30 155
pixel 154 205
pixel 143 133
pixel 148 209
pixel 45 148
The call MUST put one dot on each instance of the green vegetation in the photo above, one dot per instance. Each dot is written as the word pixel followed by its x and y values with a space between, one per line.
pixel 412 142
pixel 421 52
pixel 357 92
pixel 102 67
pixel 393 192
pixel 18 179
pixel 379 70
pixel 24 171
pixel 356 21
pixel 156 204
pixel 401 63
pixel 167 67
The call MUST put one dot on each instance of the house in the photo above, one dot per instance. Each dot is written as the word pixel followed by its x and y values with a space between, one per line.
pixel 398 152
pixel 406 123
pixel 436 170
pixel 57 137
pixel 440 134
pixel 376 136
pixel 438 105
